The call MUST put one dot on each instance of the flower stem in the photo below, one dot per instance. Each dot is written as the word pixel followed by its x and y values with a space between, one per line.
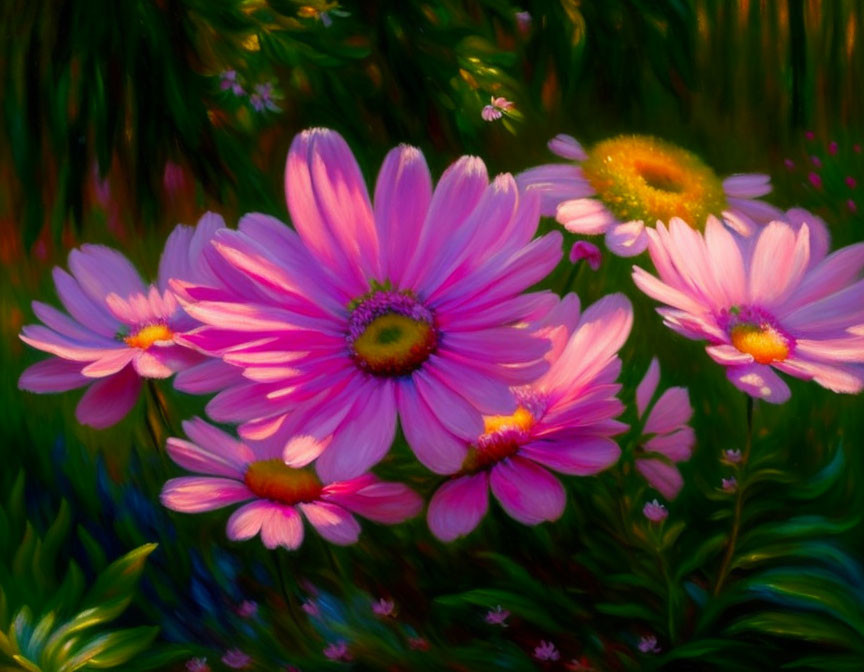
pixel 739 505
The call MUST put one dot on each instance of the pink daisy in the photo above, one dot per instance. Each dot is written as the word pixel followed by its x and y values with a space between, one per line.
pixel 237 472
pixel 546 651
pixel 624 184
pixel 384 607
pixel 655 511
pixel 775 303
pixel 120 330
pixel 563 423
pixel 497 616
pixel 236 659
pixel 407 308
pixel 665 434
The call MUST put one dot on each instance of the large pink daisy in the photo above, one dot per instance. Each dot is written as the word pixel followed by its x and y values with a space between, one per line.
pixel 564 423
pixel 625 184
pixel 777 303
pixel 237 472
pixel 120 329
pixel 409 307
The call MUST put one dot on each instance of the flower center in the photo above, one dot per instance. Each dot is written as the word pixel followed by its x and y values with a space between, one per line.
pixel 275 480
pixel 502 437
pixel 755 332
pixel 390 333
pixel 147 336
pixel 644 178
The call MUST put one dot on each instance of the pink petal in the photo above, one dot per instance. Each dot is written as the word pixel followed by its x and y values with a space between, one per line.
pixel 202 460
pixel 727 265
pixel 210 376
pixel 820 239
pixel 108 400
pixel 452 410
pixel 112 362
pixel 528 492
pixel 80 306
pixel 458 506
pixel 844 378
pixel 282 526
pixel 568 147
pixel 217 442
pixel 739 223
pixel 759 211
pixel 759 381
pixel 487 395
pixel 100 270
pixel 627 239
pixel 677 446
pixel 662 292
pixel 379 501
pixel 332 522
pixel 778 263
pixel 246 401
pixel 581 456
pixel 174 262
pixel 150 366
pixel 728 355
pixel 672 410
pixel 831 275
pixel 402 196
pixel 52 375
pixel 42 338
pixel 848 349
pixel 647 386
pixel 582 249
pixel 747 185
pixel 585 216
pixel 64 325
pixel 663 477
pixel 246 521
pixel 555 183
pixel 194 494
pixel 435 447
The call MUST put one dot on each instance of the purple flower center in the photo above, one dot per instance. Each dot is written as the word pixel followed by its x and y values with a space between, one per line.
pixel 390 333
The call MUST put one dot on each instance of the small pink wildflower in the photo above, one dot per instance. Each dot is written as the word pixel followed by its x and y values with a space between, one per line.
pixel 338 651
pixel 546 651
pixel 729 484
pixel 732 456
pixel 262 98
pixel 815 180
pixel 856 149
pixel 384 607
pixel 655 511
pixel 810 135
pixel 236 659
pixel 231 82
pixel 582 249
pixel 496 108
pixel 197 665
pixel 497 616
pixel 851 182
pixel 490 113
pixel 311 609
pixel 816 161
pixel 851 205
pixel 418 643
pixel 247 609
pixel 789 163
pixel 648 644
pixel 832 147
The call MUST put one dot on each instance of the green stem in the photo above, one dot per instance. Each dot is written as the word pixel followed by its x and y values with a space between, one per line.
pixel 739 505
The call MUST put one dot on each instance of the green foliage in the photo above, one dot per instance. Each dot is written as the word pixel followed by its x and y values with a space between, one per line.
pixel 52 625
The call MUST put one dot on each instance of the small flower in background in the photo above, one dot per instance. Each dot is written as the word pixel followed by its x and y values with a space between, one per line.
pixel 236 472
pixel 856 149
pixel 789 163
pixel 624 185
pixel 523 22
pixel 671 437
pixel 324 15
pixel 778 302
pixel 816 161
pixel 236 659
pixel 810 135
pixel 851 182
pixel 496 108
pixel 497 616
pixel 230 81
pixel 582 249
pixel 729 484
pixel 832 147
pixel 648 644
pixel 338 651
pixel 197 665
pixel 247 609
pixel 815 180
pixel 311 609
pixel 262 98
pixel 546 651
pixel 418 643
pixel 580 665
pixel 851 205
pixel 655 511
pixel 384 608
pixel 732 456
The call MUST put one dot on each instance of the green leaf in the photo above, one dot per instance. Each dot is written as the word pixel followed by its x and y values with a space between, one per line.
pixel 120 577
pixel 113 649
pixel 809 627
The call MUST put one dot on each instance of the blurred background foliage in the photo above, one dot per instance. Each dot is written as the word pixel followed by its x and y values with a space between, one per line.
pixel 119 120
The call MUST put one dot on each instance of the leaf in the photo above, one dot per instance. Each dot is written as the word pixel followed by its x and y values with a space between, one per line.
pixel 120 577
pixel 115 648
pixel 809 627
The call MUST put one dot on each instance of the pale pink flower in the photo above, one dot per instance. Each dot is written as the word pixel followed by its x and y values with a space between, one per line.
pixel 851 182
pixel 810 135
pixel 776 302
pixel 546 651
pixel 564 422
pixel 729 484
pixel 815 180
pixel 665 433
pixel 262 98
pixel 648 644
pixel 732 456
pixel 236 659
pixel 197 665
pixel 338 651
pixel 490 113
pixel 247 609
pixel 648 180
pixel 237 472
pixel 789 163
pixel 655 511
pixel 816 161
pixel 497 616
pixel 384 607
pixel 496 108
pixel 582 249
pixel 311 609
pixel 120 329
pixel 850 204
pixel 230 81
pixel 407 309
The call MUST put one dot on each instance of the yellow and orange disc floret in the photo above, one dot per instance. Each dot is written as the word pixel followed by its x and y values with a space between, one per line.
pixel 147 335
pixel 643 178
pixel 390 333
pixel 755 332
pixel 276 481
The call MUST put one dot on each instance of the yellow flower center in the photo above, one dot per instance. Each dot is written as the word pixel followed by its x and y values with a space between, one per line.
pixel 764 343
pixel 275 480
pixel 147 336
pixel 643 178
pixel 502 437
pixel 394 345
